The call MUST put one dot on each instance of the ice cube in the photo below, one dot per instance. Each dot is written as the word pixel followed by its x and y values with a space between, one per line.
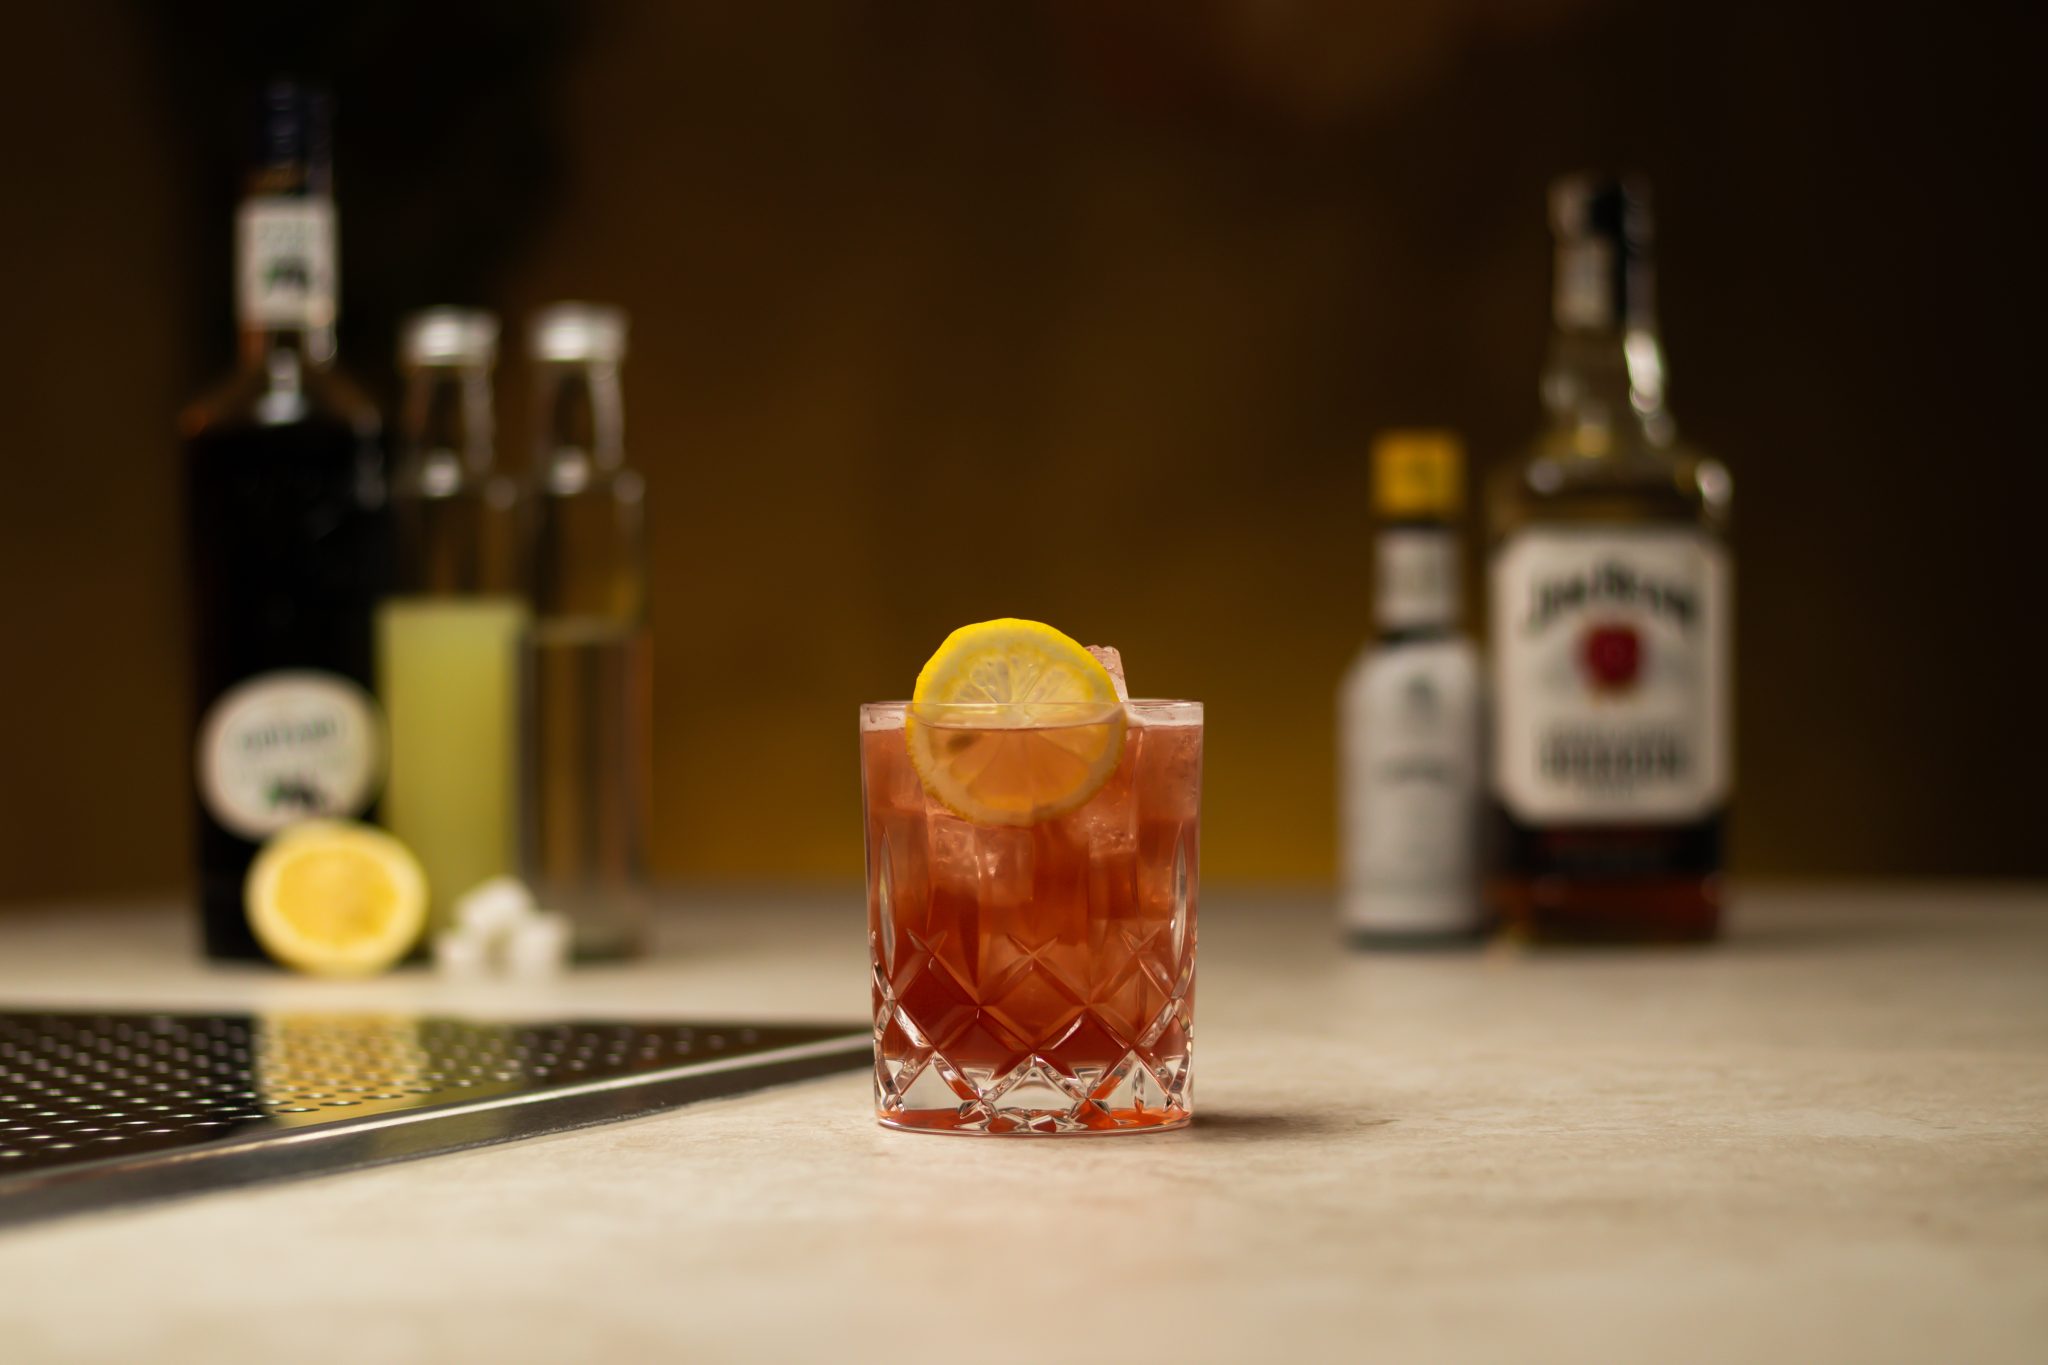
pixel 490 910
pixel 1107 826
pixel 538 947
pixel 462 956
pixel 1107 656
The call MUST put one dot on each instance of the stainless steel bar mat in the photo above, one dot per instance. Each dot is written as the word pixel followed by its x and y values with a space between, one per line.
pixel 104 1109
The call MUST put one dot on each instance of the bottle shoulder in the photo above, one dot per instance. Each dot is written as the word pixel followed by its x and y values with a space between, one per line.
pixel 1385 663
pixel 442 479
pixel 569 483
pixel 252 396
pixel 1659 485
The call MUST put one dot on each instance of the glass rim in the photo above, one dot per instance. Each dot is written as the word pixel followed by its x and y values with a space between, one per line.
pixel 906 704
pixel 1083 712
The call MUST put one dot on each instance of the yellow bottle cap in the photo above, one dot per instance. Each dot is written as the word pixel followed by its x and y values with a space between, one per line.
pixel 1418 473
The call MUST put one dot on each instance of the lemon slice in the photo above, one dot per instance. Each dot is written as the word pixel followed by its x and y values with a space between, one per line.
pixel 336 899
pixel 1013 723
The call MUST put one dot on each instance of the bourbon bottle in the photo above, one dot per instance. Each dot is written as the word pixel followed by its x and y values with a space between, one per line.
pixel 1611 619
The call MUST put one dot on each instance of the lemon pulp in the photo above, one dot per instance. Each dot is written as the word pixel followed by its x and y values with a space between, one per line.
pixel 336 899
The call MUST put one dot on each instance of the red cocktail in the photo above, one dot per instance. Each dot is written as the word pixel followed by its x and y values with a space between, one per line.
pixel 1038 975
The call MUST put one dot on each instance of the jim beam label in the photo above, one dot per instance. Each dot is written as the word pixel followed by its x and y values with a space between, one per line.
pixel 285 268
pixel 1611 658
pixel 288 746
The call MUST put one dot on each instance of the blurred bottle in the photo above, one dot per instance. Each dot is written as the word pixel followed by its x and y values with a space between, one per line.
pixel 589 662
pixel 1409 713
pixel 286 536
pixel 1611 618
pixel 448 639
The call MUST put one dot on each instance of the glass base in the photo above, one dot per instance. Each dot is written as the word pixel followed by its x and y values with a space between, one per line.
pixel 1146 1091
pixel 1035 1122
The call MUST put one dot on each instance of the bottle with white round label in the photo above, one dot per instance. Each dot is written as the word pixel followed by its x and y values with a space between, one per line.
pixel 1409 716
pixel 1611 620
pixel 286 538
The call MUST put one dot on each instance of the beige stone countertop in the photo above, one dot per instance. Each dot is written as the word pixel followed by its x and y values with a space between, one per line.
pixel 1825 1139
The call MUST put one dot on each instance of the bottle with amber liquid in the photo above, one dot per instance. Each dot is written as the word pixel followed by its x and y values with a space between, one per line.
pixel 1611 619
pixel 586 773
pixel 286 537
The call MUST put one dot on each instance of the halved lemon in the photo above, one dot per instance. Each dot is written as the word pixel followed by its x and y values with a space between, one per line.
pixel 1013 723
pixel 336 899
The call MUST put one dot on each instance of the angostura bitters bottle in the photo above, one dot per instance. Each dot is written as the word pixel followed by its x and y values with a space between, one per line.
pixel 285 520
pixel 1612 619
pixel 1409 713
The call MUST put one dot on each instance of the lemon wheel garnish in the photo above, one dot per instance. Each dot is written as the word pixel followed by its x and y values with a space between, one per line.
pixel 336 899
pixel 1013 723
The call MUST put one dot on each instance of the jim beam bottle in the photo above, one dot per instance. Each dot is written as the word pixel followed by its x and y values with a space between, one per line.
pixel 1611 619
pixel 1409 713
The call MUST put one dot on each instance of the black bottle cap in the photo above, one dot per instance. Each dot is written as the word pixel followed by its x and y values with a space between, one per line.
pixel 1594 203
pixel 294 131
pixel 1603 227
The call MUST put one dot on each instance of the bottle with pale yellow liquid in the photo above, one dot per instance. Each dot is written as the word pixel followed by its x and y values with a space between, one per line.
pixel 449 639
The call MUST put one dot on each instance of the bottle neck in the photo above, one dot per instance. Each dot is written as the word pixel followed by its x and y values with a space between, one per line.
pixel 448 440
pixel 286 276
pixel 1417 581
pixel 1604 391
pixel 269 346
pixel 582 423
pixel 1603 382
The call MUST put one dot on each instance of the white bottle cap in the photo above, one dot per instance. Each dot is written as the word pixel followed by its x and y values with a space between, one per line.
pixel 449 336
pixel 574 332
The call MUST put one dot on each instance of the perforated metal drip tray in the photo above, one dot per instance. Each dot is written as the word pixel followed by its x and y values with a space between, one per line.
pixel 98 1110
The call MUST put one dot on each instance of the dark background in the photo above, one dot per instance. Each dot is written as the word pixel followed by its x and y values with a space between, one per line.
pixel 1079 312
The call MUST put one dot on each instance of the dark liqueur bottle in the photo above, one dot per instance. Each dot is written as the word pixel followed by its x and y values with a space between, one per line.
pixel 287 539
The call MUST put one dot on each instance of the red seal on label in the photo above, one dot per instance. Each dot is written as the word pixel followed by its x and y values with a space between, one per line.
pixel 1612 656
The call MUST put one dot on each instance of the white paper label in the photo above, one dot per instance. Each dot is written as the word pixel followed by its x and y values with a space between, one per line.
pixel 289 746
pixel 1417 579
pixel 1610 658
pixel 1411 788
pixel 285 270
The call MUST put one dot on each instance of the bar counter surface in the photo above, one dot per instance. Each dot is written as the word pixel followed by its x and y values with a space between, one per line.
pixel 1823 1139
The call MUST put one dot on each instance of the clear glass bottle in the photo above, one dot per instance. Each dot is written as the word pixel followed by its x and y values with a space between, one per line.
pixel 1409 714
pixel 286 536
pixel 1612 616
pixel 449 636
pixel 587 768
